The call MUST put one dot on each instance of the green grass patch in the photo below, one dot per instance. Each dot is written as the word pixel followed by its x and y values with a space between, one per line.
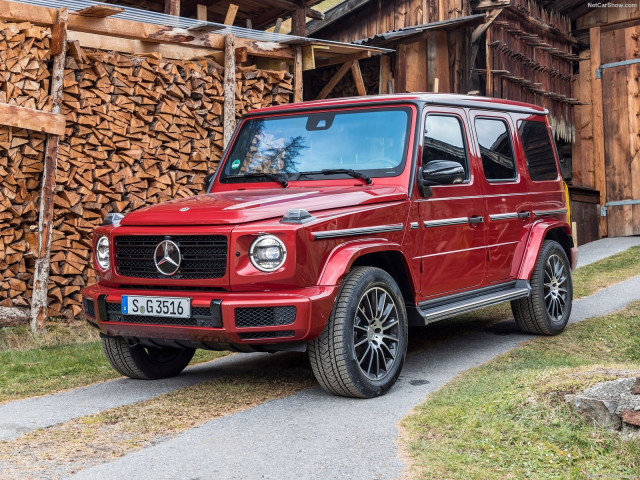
pixel 67 355
pixel 508 419
pixel 604 273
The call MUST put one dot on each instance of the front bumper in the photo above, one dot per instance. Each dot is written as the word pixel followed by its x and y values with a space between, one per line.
pixel 311 306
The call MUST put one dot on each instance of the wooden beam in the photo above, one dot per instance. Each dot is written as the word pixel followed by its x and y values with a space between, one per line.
pixel 99 11
pixel 229 107
pixel 488 65
pixel 385 74
pixel 334 14
pixel 231 14
pixel 39 300
pixel 337 59
pixel 299 22
pixel 290 7
pixel 442 61
pixel 480 29
pixel 201 12
pixel 297 76
pixel 334 80
pixel 309 56
pixel 357 77
pixel 278 25
pixel 598 124
pixel 34 120
pixel 172 7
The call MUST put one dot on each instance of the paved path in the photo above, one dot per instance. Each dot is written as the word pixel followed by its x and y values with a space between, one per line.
pixel 307 435
pixel 594 251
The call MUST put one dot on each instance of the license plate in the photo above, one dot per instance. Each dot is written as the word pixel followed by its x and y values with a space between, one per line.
pixel 176 307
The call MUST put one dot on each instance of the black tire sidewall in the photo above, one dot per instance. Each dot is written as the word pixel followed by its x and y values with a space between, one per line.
pixel 373 277
pixel 549 248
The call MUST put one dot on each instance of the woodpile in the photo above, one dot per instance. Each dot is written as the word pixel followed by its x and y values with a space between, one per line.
pixel 24 81
pixel 140 130
pixel 346 87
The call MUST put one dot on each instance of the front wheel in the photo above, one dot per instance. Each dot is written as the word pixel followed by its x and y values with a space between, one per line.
pixel 362 348
pixel 546 311
pixel 145 363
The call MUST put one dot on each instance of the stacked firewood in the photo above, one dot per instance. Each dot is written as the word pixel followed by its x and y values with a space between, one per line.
pixel 24 81
pixel 140 130
pixel 346 87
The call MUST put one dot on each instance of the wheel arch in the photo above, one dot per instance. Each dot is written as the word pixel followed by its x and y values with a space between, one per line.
pixel 541 231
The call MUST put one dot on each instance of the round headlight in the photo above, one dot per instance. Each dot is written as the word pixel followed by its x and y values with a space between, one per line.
pixel 267 253
pixel 102 253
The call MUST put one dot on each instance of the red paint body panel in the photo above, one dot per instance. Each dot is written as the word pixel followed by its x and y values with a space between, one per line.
pixel 437 261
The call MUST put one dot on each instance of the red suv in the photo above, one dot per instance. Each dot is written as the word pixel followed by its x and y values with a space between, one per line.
pixel 330 227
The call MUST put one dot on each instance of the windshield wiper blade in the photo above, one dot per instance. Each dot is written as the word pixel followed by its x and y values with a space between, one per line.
pixel 334 171
pixel 271 176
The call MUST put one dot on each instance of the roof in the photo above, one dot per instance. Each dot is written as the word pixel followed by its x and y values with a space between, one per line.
pixel 397 36
pixel 449 99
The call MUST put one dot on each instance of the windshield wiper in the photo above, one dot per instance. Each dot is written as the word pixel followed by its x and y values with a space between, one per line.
pixel 271 176
pixel 334 171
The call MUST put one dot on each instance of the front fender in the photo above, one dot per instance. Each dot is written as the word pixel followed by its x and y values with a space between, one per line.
pixel 537 236
pixel 342 257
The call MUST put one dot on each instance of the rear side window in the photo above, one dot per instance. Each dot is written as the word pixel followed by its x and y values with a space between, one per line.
pixel 538 150
pixel 444 140
pixel 495 149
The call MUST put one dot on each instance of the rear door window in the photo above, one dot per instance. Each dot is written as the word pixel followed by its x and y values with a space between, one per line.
pixel 538 150
pixel 498 161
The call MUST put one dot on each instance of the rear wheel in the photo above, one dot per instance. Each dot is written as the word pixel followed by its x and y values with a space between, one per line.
pixel 546 311
pixel 362 349
pixel 145 363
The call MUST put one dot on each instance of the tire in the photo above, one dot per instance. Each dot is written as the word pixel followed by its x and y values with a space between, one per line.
pixel 546 311
pixel 362 348
pixel 145 363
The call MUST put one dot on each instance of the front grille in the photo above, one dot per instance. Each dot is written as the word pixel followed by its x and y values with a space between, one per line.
pixel 89 307
pixel 200 317
pixel 262 335
pixel 203 256
pixel 265 316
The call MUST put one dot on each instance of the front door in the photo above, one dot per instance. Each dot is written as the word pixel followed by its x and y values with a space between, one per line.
pixel 452 220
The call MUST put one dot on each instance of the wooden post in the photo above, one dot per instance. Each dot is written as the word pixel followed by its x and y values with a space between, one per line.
pixel 45 223
pixel 172 7
pixel 201 12
pixel 385 74
pixel 357 77
pixel 489 77
pixel 598 124
pixel 297 76
pixel 231 14
pixel 229 87
pixel 299 23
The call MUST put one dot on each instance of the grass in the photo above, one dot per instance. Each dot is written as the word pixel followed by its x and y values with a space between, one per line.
pixel 508 419
pixel 94 439
pixel 603 273
pixel 67 355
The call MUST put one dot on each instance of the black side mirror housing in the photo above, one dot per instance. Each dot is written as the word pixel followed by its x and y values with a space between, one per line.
pixel 443 172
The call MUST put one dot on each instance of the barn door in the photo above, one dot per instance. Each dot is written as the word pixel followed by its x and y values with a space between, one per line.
pixel 621 129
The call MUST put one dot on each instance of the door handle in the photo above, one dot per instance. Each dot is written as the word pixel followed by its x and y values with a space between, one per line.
pixel 476 219
pixel 523 215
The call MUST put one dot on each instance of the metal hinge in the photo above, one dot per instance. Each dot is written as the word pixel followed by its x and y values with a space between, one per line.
pixel 615 64
pixel 603 208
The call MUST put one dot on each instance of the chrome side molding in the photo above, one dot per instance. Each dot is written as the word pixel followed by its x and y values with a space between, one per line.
pixel 349 232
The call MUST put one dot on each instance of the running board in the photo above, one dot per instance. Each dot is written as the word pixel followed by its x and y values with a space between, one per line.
pixel 443 307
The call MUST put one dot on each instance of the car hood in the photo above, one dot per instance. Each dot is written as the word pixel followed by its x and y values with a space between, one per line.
pixel 225 208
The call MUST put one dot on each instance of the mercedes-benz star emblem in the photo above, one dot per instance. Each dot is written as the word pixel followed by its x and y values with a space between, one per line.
pixel 167 257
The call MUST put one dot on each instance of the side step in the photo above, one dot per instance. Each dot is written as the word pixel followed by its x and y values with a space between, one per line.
pixel 443 307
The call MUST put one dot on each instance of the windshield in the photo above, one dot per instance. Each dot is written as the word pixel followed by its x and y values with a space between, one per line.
pixel 301 147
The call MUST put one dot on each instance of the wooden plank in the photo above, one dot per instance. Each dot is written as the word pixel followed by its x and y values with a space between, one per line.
pixel 278 25
pixel 385 74
pixel 335 14
pixel 138 47
pixel 229 106
pixel 357 77
pixel 39 300
pixel 582 152
pixel 633 99
pixel 172 7
pixel 488 65
pixel 442 61
pixel 291 6
pixel 480 29
pixel 337 59
pixel 231 14
pixel 115 27
pixel 201 12
pixel 431 54
pixel 400 84
pixel 334 80
pixel 598 127
pixel 99 11
pixel 35 120
pixel 297 76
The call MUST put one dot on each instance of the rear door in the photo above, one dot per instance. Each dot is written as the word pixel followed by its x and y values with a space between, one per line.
pixel 506 196
pixel 452 220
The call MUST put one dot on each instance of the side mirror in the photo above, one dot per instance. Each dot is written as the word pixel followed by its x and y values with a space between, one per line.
pixel 442 172
pixel 207 181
